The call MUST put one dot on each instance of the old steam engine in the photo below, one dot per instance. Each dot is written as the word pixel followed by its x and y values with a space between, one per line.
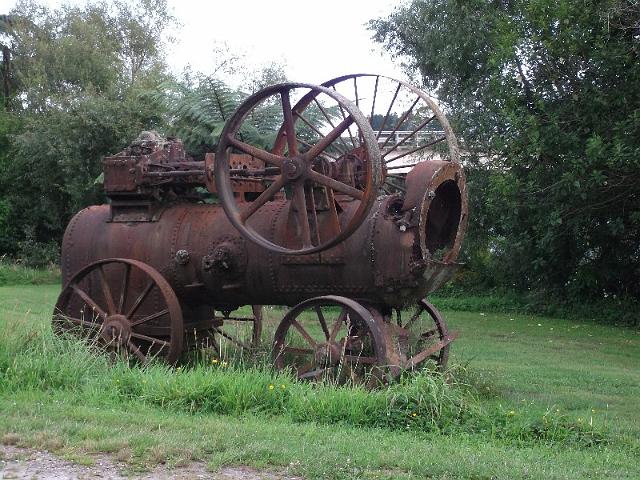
pixel 351 209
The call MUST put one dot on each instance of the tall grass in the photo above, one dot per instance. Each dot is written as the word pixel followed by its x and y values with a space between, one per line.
pixel 33 358
pixel 12 273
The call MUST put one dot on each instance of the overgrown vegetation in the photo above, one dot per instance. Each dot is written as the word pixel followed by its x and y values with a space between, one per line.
pixel 33 358
pixel 571 402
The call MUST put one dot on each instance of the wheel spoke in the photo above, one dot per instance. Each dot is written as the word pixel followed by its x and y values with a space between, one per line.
pixel 317 373
pixel 323 322
pixel 324 154
pixel 412 320
pixel 396 186
pixel 328 117
pixel 429 333
pixel 125 286
pixel 422 356
pixel 78 321
pixel 355 89
pixel 106 291
pixel 305 368
pixel 309 124
pixel 255 151
pixel 360 359
pixel 314 217
pixel 338 325
pixel 421 147
pixel 375 94
pixel 300 203
pixel 336 185
pixel 331 137
pixel 400 176
pixel 150 317
pixel 232 339
pixel 408 137
pixel 397 167
pixel 289 126
pixel 156 341
pixel 400 120
pixel 139 300
pixel 304 333
pixel 337 228
pixel 88 300
pixel 263 198
pixel 298 351
pixel 344 116
pixel 136 351
pixel 386 117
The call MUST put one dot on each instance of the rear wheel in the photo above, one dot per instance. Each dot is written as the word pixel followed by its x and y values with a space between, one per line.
pixel 425 337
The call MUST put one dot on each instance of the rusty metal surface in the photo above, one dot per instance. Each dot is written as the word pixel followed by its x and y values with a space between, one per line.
pixel 329 234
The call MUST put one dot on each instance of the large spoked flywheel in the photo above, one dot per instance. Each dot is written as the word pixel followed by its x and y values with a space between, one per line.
pixel 408 124
pixel 307 164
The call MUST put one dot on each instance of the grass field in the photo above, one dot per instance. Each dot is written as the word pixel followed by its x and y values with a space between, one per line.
pixel 531 397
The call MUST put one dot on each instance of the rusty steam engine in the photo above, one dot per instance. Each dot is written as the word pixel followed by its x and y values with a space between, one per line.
pixel 346 225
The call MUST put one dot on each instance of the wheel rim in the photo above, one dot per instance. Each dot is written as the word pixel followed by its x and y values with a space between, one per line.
pixel 425 330
pixel 122 306
pixel 330 338
pixel 298 165
pixel 406 113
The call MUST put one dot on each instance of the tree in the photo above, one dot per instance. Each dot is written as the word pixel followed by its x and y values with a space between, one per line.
pixel 81 80
pixel 545 95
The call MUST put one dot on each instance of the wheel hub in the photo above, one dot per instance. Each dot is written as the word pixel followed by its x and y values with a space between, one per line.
pixel 116 329
pixel 293 168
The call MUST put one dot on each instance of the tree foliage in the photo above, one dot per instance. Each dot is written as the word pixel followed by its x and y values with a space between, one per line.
pixel 79 79
pixel 546 96
pixel 81 82
pixel 198 110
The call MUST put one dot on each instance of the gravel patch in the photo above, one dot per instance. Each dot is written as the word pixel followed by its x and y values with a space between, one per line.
pixel 21 463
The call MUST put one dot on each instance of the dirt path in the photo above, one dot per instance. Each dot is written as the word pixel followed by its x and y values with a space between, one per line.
pixel 20 463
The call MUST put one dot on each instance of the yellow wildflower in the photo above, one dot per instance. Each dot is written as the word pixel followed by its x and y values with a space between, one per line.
pixel 271 387
pixel 511 413
pixel 283 386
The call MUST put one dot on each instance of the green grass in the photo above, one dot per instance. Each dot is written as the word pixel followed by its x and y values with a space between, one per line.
pixel 531 397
